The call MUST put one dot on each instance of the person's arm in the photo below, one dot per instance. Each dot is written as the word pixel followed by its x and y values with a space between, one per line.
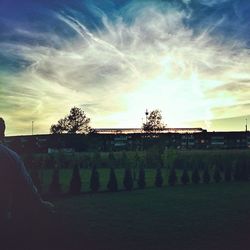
pixel 5 186
pixel 20 176
pixel 23 183
pixel 27 180
pixel 25 176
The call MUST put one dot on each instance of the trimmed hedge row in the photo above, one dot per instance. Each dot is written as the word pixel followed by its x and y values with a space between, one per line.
pixel 237 172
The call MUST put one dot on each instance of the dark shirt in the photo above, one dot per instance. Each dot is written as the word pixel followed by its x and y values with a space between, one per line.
pixel 18 194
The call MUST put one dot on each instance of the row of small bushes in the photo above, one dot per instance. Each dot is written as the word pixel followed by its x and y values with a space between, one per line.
pixel 239 172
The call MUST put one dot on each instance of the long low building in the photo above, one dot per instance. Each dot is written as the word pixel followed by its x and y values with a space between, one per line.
pixel 129 139
pixel 140 130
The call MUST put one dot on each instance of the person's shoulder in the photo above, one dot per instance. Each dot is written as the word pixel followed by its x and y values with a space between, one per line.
pixel 5 149
pixel 6 152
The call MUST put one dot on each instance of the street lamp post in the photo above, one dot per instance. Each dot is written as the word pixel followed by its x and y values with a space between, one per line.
pixel 32 127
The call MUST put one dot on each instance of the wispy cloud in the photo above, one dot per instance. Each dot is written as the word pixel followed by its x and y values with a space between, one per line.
pixel 144 56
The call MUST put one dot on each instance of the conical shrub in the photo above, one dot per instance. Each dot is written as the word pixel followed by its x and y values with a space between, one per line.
pixel 136 164
pixel 75 183
pixel 158 178
pixel 244 172
pixel 196 176
pixel 172 179
pixel 185 177
pixel 228 173
pixel 55 186
pixel 206 176
pixel 241 172
pixel 217 174
pixel 112 183
pixel 128 179
pixel 94 180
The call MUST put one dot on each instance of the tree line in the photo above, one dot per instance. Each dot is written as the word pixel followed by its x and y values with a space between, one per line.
pixel 78 122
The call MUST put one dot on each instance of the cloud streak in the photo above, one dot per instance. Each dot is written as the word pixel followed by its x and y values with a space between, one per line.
pixel 151 55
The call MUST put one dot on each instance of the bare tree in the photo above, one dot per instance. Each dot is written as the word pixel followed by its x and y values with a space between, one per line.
pixel 75 122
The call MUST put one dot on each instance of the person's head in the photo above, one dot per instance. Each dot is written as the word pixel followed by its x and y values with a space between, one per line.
pixel 2 128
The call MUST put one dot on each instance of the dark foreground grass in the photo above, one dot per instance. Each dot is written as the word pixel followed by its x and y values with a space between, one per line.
pixel 215 216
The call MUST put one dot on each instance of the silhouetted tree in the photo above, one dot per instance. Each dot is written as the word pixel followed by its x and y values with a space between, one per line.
pixel 75 183
pixel 158 178
pixel 75 122
pixel 55 186
pixel 141 178
pixel 94 180
pixel 154 122
pixel 217 174
pixel 185 177
pixel 196 176
pixel 172 179
pixel 112 183
pixel 128 179
pixel 228 173
pixel 206 176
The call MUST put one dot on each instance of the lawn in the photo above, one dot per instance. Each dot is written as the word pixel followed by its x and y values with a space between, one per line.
pixel 213 216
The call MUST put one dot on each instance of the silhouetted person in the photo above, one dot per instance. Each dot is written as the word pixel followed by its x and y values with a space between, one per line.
pixel 22 209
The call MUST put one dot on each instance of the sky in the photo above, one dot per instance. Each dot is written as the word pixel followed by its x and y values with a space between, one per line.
pixel 115 59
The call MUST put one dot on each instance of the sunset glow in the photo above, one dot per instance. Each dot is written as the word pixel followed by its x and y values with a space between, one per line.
pixel 190 59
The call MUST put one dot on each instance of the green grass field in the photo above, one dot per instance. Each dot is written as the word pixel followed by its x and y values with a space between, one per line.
pixel 213 216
